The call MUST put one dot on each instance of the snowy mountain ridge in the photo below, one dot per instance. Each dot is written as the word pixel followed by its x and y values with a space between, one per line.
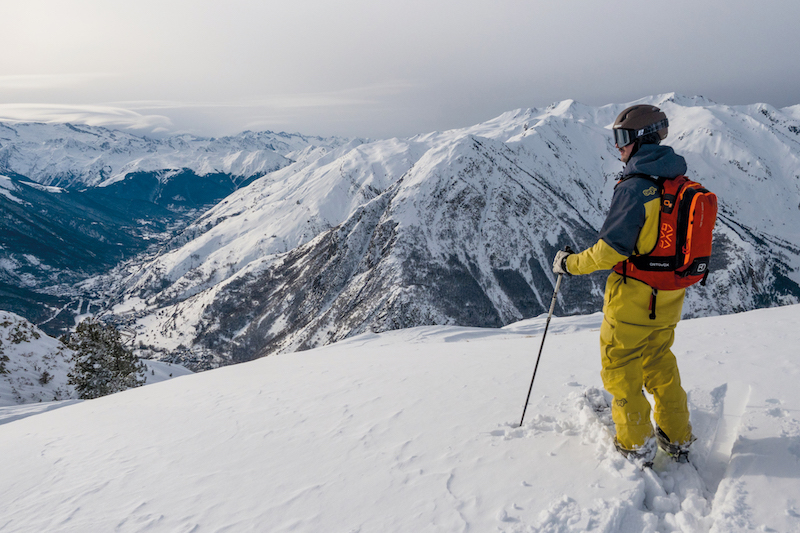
pixel 79 156
pixel 460 227
pixel 118 195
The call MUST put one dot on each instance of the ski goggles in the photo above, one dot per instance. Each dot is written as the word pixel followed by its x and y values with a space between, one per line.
pixel 624 137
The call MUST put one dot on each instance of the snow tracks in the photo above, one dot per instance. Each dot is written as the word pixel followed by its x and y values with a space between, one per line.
pixel 709 494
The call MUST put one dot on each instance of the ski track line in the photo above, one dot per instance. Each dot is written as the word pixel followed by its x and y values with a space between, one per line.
pixel 730 402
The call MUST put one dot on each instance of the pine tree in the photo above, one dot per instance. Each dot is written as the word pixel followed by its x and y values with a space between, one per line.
pixel 101 365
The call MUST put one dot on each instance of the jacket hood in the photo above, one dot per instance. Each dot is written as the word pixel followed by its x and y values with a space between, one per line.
pixel 655 160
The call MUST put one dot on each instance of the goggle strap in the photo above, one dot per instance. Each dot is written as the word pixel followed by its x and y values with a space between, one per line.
pixel 652 128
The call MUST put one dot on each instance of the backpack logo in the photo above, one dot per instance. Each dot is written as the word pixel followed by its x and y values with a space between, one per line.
pixel 666 236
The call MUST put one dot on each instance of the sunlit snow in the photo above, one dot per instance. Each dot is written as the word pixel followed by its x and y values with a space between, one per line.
pixel 416 430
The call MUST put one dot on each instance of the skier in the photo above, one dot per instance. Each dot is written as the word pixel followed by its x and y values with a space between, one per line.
pixel 638 329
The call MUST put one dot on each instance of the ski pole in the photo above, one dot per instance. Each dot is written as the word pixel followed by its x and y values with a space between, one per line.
pixel 546 325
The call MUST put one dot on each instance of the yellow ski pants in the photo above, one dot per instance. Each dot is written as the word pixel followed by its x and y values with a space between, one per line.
pixel 633 357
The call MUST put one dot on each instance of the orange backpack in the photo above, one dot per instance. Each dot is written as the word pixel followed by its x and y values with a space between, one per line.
pixel 683 251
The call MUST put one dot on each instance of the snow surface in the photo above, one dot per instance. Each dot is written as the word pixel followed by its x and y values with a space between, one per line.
pixel 36 364
pixel 6 186
pixel 416 430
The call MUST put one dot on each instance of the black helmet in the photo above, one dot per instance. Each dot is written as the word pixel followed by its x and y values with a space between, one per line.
pixel 639 121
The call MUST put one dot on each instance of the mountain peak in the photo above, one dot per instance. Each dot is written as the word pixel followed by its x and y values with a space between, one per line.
pixel 454 227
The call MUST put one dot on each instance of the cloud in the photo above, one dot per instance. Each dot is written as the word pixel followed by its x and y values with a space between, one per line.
pixel 48 81
pixel 304 111
pixel 92 115
pixel 332 67
pixel 354 96
pixel 166 116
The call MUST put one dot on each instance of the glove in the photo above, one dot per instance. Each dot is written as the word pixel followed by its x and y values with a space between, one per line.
pixel 560 262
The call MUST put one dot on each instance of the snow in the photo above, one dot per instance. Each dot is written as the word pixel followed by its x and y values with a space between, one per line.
pixel 793 111
pixel 158 371
pixel 39 187
pixel 416 430
pixel 36 367
pixel 82 156
pixel 6 186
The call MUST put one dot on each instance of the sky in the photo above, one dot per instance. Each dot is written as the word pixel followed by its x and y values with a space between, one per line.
pixel 379 69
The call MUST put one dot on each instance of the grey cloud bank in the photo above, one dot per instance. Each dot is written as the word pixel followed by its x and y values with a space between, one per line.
pixel 379 69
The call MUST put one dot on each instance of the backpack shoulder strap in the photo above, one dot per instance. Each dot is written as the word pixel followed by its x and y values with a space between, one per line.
pixel 654 179
pixel 670 187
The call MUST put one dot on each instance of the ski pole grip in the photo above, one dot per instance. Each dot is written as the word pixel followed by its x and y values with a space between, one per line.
pixel 568 249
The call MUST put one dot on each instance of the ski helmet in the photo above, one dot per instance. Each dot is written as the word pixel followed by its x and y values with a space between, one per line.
pixel 638 121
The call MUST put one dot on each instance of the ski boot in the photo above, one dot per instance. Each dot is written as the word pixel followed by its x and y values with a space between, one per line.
pixel 677 452
pixel 642 456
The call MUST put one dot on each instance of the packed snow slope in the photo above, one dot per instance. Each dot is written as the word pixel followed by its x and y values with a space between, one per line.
pixel 459 228
pixel 417 430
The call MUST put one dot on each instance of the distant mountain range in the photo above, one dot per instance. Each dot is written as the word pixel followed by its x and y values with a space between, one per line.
pixel 70 156
pixel 455 227
pixel 76 201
